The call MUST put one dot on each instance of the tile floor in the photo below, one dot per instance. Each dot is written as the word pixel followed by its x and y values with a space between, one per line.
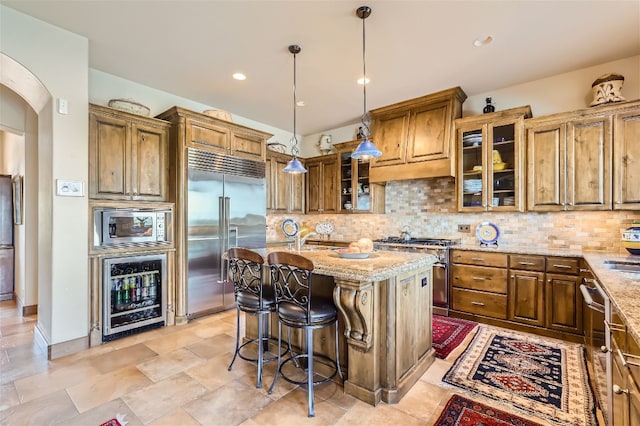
pixel 178 376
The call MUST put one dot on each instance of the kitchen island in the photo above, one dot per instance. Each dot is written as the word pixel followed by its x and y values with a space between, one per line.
pixel 385 309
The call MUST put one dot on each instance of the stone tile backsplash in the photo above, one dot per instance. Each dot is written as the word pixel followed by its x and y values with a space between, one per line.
pixel 428 208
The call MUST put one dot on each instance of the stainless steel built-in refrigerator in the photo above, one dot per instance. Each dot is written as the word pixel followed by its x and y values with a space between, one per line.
pixel 6 238
pixel 226 207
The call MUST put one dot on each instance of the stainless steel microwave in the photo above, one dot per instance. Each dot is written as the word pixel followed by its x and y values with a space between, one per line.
pixel 122 227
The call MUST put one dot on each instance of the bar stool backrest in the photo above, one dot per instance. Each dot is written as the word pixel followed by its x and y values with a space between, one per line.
pixel 291 280
pixel 246 272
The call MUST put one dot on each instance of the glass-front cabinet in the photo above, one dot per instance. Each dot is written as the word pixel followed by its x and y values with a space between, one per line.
pixel 490 161
pixel 357 193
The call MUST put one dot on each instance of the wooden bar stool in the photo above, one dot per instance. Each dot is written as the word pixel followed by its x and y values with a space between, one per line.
pixel 298 308
pixel 252 297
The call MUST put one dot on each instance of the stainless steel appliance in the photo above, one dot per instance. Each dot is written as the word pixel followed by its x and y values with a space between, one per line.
pixel 439 247
pixel 226 207
pixel 6 238
pixel 134 294
pixel 128 226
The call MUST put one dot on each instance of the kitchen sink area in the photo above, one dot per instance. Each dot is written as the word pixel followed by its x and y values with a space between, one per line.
pixel 623 266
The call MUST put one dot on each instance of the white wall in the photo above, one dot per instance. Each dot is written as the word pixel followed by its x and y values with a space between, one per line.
pixel 59 60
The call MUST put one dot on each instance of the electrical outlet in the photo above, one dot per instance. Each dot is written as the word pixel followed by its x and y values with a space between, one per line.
pixel 464 228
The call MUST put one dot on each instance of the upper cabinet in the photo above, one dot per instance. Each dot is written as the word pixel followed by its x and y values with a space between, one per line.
pixel 127 156
pixel 490 161
pixel 285 191
pixel 322 184
pixel 626 158
pixel 415 137
pixel 201 131
pixel 357 193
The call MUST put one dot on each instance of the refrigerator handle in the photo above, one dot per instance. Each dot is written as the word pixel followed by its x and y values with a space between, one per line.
pixel 222 234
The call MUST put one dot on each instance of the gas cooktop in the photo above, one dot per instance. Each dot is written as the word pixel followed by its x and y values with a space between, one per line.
pixel 424 241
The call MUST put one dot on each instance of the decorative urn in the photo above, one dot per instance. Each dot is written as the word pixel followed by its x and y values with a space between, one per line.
pixel 631 238
pixel 607 88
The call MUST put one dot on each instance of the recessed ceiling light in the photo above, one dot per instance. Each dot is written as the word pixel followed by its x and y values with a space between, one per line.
pixel 479 42
pixel 363 80
pixel 239 76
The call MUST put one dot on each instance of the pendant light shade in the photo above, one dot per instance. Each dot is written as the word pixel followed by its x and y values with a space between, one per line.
pixel 366 149
pixel 294 165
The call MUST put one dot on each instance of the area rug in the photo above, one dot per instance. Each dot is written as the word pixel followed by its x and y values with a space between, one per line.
pixel 118 420
pixel 461 411
pixel 546 377
pixel 448 333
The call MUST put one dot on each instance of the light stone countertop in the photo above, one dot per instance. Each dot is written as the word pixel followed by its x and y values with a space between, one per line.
pixel 381 265
pixel 520 249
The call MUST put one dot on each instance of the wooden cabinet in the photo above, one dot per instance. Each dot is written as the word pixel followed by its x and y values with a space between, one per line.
pixel 626 160
pixel 285 191
pixel 322 184
pixel 357 193
pixel 416 137
pixel 563 298
pixel 479 290
pixel 490 149
pixel 569 161
pixel 526 289
pixel 203 132
pixel 127 156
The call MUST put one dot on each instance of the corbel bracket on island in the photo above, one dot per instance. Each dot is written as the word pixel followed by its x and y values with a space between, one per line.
pixel 355 301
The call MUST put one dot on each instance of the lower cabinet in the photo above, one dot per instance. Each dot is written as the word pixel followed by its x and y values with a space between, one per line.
pixel 533 293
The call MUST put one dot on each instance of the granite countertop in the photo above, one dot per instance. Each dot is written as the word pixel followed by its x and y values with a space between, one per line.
pixel 381 265
pixel 622 287
pixel 520 249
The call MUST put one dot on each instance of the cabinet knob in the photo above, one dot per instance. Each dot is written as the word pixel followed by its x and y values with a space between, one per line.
pixel 618 390
pixel 604 349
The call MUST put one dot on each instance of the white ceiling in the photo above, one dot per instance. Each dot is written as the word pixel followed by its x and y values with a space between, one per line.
pixel 191 48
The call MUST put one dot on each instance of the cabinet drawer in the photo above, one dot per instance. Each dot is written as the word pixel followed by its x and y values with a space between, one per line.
pixel 526 263
pixel 479 278
pixel 478 302
pixel 480 258
pixel 563 265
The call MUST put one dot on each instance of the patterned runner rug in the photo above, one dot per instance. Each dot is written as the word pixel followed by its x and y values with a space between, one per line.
pixel 546 377
pixel 448 333
pixel 461 411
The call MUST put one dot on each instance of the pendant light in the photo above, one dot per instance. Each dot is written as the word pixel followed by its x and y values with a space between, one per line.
pixel 366 149
pixel 294 166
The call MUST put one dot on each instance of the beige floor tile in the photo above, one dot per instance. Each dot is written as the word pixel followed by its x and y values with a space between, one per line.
pixel 16 340
pixel 230 405
pixel 381 415
pixel 8 396
pixel 167 364
pixel 436 372
pixel 422 400
pixel 35 386
pixel 213 346
pixel 170 342
pixel 41 411
pixel 115 359
pixel 175 418
pixel 164 397
pixel 106 387
pixel 213 373
pixel 104 412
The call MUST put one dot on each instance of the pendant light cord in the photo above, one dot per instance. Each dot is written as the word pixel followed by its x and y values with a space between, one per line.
pixel 365 116
pixel 294 148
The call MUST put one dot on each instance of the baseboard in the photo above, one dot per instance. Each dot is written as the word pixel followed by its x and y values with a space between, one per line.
pixel 69 347
pixel 29 310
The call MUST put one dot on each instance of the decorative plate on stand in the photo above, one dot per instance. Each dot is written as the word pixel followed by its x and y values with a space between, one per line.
pixel 290 227
pixel 325 228
pixel 488 234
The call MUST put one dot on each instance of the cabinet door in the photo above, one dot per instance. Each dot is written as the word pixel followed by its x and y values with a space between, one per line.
pixel 546 167
pixel 248 146
pixel 330 187
pixel 322 184
pixel 626 164
pixel 563 303
pixel 424 312
pixel 390 132
pixel 149 165
pixel 314 187
pixel 589 164
pixel 406 324
pixel 472 194
pixel 109 157
pixel 429 133
pixel 207 136
pixel 526 297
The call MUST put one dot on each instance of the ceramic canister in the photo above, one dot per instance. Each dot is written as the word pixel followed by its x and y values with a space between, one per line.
pixel 631 238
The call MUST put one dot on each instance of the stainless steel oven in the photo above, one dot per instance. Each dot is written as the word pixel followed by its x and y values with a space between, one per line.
pixel 439 247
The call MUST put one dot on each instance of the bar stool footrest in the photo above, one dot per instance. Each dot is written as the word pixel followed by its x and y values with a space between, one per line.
pixel 294 360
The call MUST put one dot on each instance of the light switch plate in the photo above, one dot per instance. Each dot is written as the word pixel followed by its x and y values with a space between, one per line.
pixel 70 188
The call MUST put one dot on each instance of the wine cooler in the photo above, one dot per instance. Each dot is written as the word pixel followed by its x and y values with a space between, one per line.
pixel 135 295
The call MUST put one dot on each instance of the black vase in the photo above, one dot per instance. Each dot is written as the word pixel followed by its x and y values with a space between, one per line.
pixel 489 107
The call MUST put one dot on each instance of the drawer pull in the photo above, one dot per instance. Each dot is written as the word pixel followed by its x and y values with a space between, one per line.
pixel 479 278
pixel 526 263
pixel 618 390
pixel 562 266
pixel 622 358
pixel 477 303
pixel 478 259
